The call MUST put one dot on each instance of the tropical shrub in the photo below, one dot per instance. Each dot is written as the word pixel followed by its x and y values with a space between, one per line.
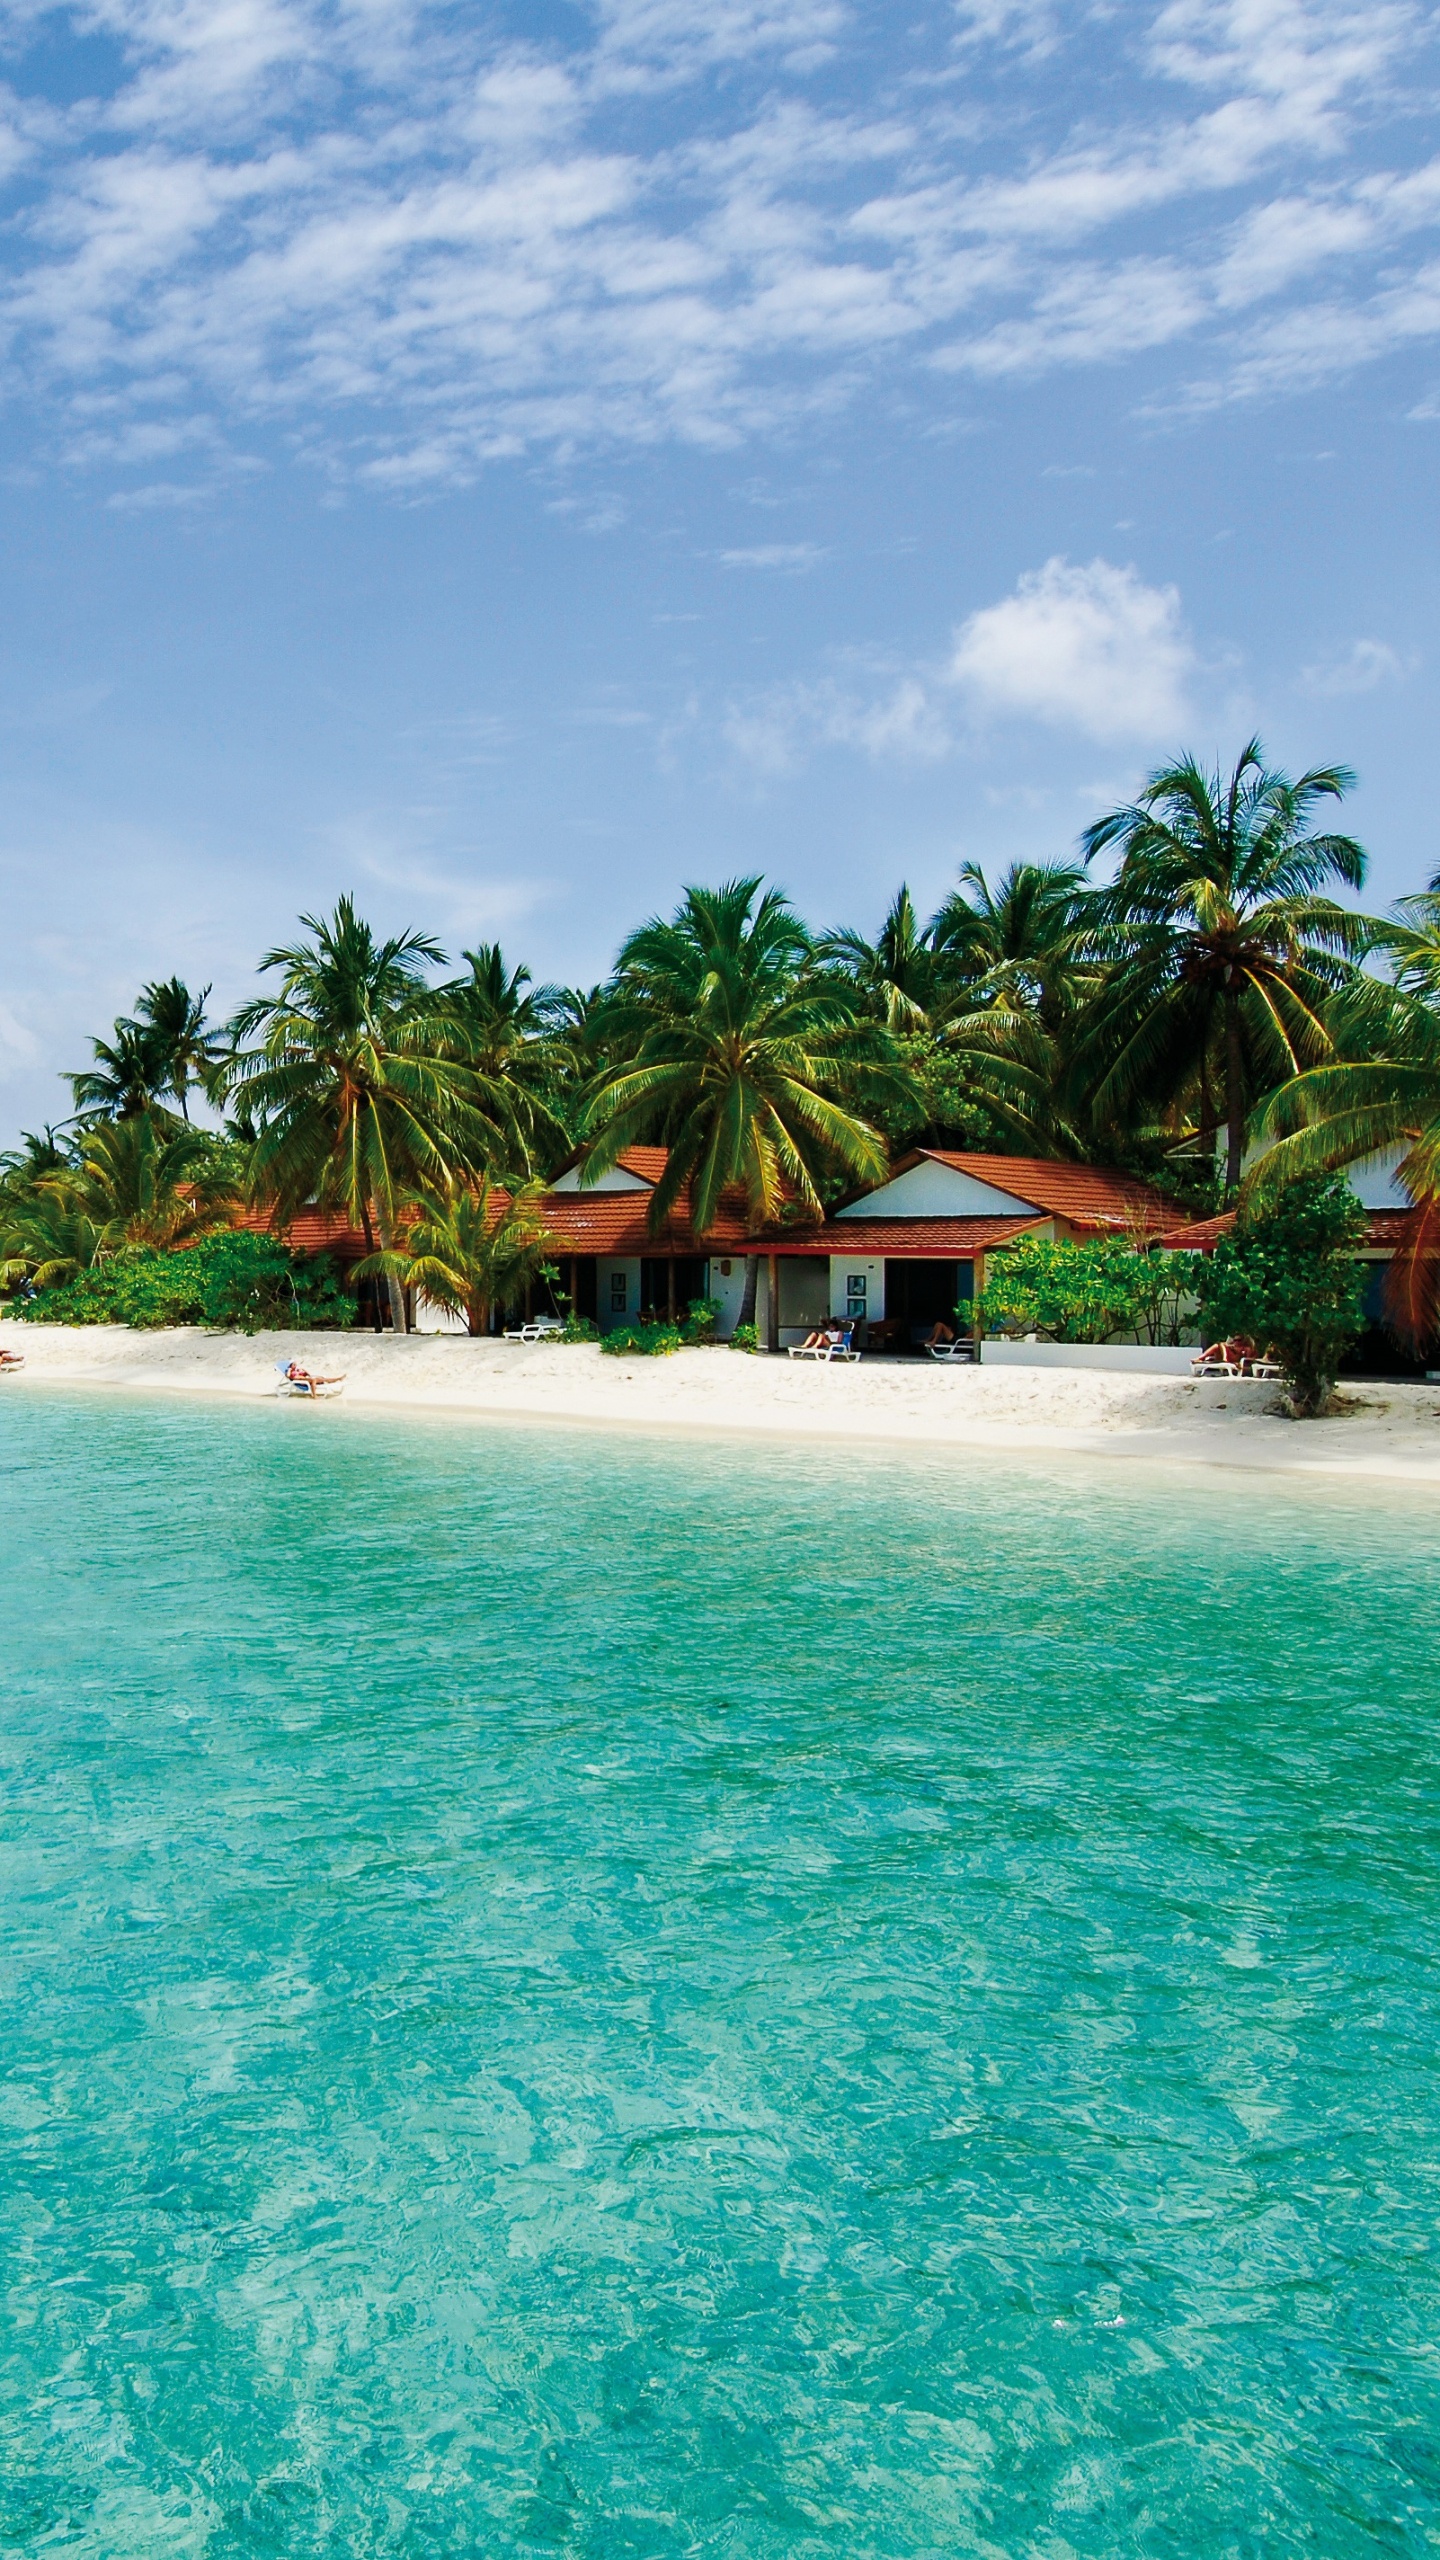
pixel 1287 1277
pixel 234 1279
pixel 697 1325
pixel 746 1337
pixel 1063 1292
pixel 577 1329
pixel 646 1341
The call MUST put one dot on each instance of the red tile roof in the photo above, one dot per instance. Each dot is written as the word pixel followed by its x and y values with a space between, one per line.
pixel 1389 1230
pixel 912 1239
pixel 1086 1194
pixel 617 1222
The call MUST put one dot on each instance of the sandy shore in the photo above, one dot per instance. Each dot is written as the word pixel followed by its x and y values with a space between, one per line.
pixel 1385 1431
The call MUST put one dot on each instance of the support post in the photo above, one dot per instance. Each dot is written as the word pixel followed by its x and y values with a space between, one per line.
pixel 670 1287
pixel 978 1285
pixel 772 1311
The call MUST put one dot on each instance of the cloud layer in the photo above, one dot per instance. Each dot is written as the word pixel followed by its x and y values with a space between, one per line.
pixel 405 244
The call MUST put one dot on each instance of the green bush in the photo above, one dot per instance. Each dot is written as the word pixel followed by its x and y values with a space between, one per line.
pixel 645 1341
pixel 1087 1292
pixel 1287 1278
pixel 577 1329
pixel 1063 1292
pixel 232 1280
pixel 699 1321
pixel 746 1337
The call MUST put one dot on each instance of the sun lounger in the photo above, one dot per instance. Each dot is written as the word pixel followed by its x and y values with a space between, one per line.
pixel 309 1388
pixel 1265 1367
pixel 961 1349
pixel 838 1348
pixel 534 1329
pixel 9 1361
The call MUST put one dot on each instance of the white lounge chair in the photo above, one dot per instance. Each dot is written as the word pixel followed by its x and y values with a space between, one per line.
pixel 10 1361
pixel 309 1388
pixel 963 1348
pixel 838 1346
pixel 534 1329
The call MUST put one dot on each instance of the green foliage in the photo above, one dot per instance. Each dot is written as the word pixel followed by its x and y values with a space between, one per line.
pixel 471 1250
pixel 644 1341
pixel 577 1329
pixel 697 1325
pixel 746 1337
pixel 1066 1292
pixel 232 1280
pixel 1287 1278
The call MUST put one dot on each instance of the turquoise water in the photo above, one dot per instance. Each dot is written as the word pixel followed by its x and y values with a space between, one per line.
pixel 597 1995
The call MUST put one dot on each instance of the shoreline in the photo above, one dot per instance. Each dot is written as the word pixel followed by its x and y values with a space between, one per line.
pixel 1388 1431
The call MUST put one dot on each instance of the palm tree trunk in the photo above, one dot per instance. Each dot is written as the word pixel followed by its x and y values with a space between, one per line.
pixel 392 1283
pixel 747 1294
pixel 1234 1093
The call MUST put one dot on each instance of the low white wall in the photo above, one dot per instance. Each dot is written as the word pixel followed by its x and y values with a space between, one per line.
pixel 1157 1359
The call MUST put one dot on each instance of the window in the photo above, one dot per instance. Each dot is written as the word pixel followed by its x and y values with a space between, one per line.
pixel 617 1293
pixel 855 1294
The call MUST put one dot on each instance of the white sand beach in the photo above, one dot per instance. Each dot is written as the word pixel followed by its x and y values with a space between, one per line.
pixel 1389 1430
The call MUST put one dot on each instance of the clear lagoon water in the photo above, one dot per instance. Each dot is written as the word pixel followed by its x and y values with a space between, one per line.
pixel 603 1995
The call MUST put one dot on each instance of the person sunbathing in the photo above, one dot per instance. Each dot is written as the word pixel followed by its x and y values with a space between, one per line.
pixel 12 1359
pixel 306 1381
pixel 940 1331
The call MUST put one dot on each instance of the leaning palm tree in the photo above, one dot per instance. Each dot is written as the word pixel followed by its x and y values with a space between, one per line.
pixel 746 1061
pixel 471 1253
pixel 1381 1090
pixel 1225 951
pixel 894 976
pixel 355 1085
pixel 45 1239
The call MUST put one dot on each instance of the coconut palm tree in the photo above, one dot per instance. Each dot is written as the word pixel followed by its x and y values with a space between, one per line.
pixel 128 1077
pixel 472 1251
pixel 149 1182
pixel 355 1084
pixel 894 975
pixel 1380 1090
pixel 506 1038
pixel 1017 948
pixel 184 1048
pixel 746 1061
pixel 1225 952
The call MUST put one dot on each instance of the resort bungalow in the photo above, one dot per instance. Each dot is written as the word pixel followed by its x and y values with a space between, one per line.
pixel 612 1268
pixel 1392 1222
pixel 913 1248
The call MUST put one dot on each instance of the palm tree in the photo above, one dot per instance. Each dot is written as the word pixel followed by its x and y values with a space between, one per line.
pixel 149 1182
pixel 894 975
pixel 128 1076
pixel 472 1255
pixel 1017 948
pixel 183 1047
pixel 1226 953
pixel 515 1056
pixel 356 1088
pixel 134 1182
pixel 745 1061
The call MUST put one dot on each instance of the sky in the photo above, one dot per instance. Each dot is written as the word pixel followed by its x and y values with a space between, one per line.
pixel 508 463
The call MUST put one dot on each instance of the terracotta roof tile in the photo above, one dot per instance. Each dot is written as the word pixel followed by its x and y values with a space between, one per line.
pixel 1086 1194
pixel 918 1239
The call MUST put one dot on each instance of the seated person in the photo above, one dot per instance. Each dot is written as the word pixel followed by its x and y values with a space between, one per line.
pixel 940 1331
pixel 306 1380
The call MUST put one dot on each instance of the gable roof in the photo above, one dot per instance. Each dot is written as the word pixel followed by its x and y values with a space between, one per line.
pixel 1088 1195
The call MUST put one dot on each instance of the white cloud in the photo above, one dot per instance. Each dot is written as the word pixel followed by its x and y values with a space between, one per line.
pixel 1366 664
pixel 414 246
pixel 792 556
pixel 1092 649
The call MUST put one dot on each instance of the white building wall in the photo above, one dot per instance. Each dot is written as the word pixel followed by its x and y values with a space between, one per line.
pixel 727 1283
pixel 931 1190
pixel 857 1266
pixel 617 1291
pixel 617 1179
pixel 432 1319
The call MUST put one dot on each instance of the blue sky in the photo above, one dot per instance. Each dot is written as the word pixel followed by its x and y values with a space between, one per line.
pixel 510 462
